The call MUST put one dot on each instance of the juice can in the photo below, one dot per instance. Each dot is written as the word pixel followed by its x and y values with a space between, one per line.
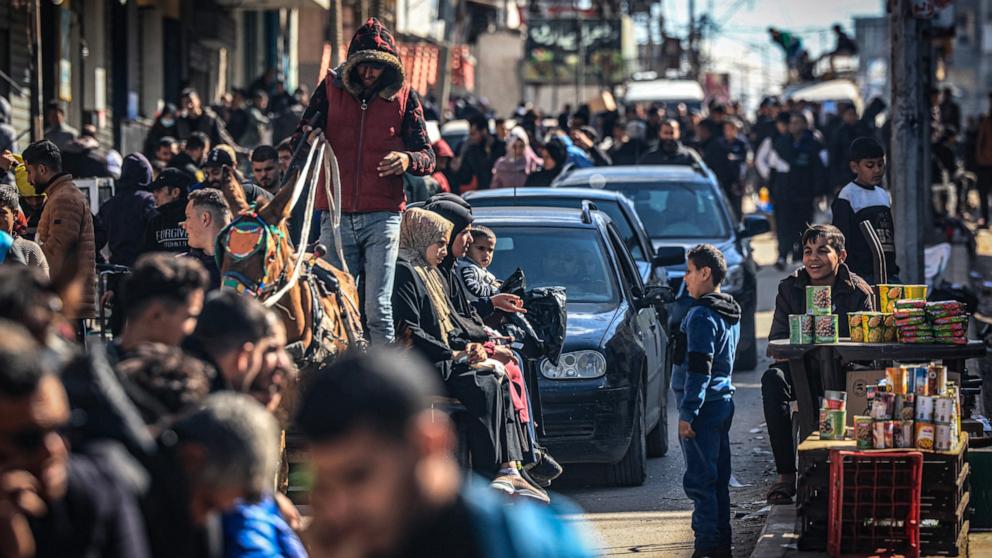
pixel 896 378
pixel 800 329
pixel 862 432
pixel 890 433
pixel 943 410
pixel 921 384
pixel 907 433
pixel 818 300
pixel 936 379
pixel 878 434
pixel 924 408
pixel 825 329
pixel 925 434
pixel 943 440
pixel 832 423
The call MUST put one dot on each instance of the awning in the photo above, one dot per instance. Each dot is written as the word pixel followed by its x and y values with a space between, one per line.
pixel 272 4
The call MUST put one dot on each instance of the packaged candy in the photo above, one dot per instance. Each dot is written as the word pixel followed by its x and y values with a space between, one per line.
pixel 914 340
pixel 946 307
pixel 818 300
pixel 951 320
pixel 916 329
pixel 918 320
pixel 911 313
pixel 910 304
pixel 950 328
pixel 855 323
pixel 951 340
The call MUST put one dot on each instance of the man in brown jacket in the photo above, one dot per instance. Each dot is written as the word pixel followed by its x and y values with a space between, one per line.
pixel 983 159
pixel 66 224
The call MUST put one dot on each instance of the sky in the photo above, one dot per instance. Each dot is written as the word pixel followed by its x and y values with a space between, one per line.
pixel 742 46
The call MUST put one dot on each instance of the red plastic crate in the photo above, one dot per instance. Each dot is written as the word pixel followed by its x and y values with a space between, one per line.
pixel 874 503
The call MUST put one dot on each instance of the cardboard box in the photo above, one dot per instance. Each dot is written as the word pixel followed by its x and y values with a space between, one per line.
pixel 857 380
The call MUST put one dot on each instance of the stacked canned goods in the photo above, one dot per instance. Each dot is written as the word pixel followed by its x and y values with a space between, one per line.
pixel 914 406
pixel 833 415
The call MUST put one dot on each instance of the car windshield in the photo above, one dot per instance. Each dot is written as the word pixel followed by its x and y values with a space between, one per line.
pixel 550 257
pixel 609 207
pixel 677 210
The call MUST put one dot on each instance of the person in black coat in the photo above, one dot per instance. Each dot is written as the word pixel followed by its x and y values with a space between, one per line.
pixel 850 129
pixel 164 232
pixel 426 320
pixel 797 189
pixel 555 157
pixel 126 215
pixel 670 150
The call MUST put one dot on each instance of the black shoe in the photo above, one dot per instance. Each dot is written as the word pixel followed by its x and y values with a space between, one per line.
pixel 545 470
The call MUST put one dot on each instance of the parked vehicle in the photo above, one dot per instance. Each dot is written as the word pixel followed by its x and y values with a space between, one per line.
pixel 684 206
pixel 650 262
pixel 606 400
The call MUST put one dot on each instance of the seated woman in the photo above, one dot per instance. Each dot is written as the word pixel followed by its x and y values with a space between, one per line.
pixel 426 322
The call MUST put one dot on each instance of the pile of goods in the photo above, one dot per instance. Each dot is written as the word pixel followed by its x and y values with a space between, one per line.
pixel 833 415
pixel 950 322
pixel 817 325
pixel 911 321
pixel 914 406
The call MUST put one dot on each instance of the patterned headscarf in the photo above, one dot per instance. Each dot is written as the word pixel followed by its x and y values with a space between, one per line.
pixel 419 229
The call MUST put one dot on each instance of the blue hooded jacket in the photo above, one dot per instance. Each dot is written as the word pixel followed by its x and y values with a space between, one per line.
pixel 576 155
pixel 126 215
pixel 709 334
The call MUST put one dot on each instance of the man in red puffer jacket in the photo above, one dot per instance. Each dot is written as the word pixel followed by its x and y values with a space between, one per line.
pixel 375 123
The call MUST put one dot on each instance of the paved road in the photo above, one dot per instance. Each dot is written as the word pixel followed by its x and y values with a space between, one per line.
pixel 654 519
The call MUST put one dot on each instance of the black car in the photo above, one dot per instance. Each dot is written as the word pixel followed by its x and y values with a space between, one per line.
pixel 650 262
pixel 684 206
pixel 606 401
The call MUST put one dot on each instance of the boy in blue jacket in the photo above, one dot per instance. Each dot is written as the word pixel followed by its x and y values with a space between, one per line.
pixel 705 349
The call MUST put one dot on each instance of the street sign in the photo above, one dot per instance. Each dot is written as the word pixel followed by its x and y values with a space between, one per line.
pixel 558 48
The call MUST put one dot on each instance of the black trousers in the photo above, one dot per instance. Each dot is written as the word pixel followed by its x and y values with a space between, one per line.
pixel 984 190
pixel 776 398
pixel 494 433
pixel 792 217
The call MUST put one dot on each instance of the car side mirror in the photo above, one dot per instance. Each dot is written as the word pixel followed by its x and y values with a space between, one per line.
pixel 754 225
pixel 669 255
pixel 655 295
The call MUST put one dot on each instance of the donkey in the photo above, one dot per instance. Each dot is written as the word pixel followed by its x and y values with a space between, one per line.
pixel 256 257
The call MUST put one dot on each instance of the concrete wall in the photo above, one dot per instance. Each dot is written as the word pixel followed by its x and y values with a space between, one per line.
pixel 497 75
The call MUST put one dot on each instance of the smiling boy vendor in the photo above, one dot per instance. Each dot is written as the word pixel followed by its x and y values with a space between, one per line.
pixel 823 265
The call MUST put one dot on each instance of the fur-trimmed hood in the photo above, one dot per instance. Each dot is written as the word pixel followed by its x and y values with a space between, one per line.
pixel 372 43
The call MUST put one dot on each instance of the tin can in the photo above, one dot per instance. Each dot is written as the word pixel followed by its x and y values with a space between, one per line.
pixel 918 292
pixel 908 410
pixel 924 408
pixel 878 434
pixel 863 432
pixel 835 399
pixel 889 400
pixel 856 326
pixel 825 329
pixel 890 433
pixel 896 378
pixel 818 300
pixel 800 329
pixel 871 391
pixel 924 435
pixel 889 333
pixel 888 294
pixel 943 410
pixel 878 410
pixel 943 440
pixel 936 379
pixel 921 383
pixel 907 433
pixel 874 325
pixel 832 422
pixel 910 379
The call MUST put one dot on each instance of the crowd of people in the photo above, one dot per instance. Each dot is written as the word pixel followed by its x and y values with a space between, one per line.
pixel 166 441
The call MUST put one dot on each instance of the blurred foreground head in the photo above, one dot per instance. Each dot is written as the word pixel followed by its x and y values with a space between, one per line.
pixel 382 460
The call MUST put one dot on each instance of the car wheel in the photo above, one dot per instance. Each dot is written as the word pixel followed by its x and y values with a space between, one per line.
pixel 657 441
pixel 747 356
pixel 632 469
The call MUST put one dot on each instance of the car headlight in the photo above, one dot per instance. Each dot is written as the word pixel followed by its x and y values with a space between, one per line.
pixel 734 281
pixel 575 365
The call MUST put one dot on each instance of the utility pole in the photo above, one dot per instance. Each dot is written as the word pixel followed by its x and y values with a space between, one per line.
pixel 693 42
pixel 910 137
pixel 37 105
pixel 335 32
pixel 450 17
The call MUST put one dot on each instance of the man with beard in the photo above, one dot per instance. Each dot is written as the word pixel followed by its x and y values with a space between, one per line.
pixel 221 161
pixel 385 479
pixel 265 168
pixel 670 150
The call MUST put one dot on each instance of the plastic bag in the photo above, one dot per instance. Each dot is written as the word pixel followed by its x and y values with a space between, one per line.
pixel 546 311
pixel 515 284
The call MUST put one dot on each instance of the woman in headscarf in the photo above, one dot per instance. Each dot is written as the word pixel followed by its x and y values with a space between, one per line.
pixel 511 170
pixel 426 322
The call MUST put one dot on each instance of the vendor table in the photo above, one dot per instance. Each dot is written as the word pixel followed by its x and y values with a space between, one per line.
pixel 831 359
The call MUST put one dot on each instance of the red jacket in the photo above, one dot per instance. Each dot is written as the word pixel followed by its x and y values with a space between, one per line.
pixel 392 120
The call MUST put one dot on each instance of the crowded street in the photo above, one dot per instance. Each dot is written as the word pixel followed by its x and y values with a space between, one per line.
pixel 495 278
